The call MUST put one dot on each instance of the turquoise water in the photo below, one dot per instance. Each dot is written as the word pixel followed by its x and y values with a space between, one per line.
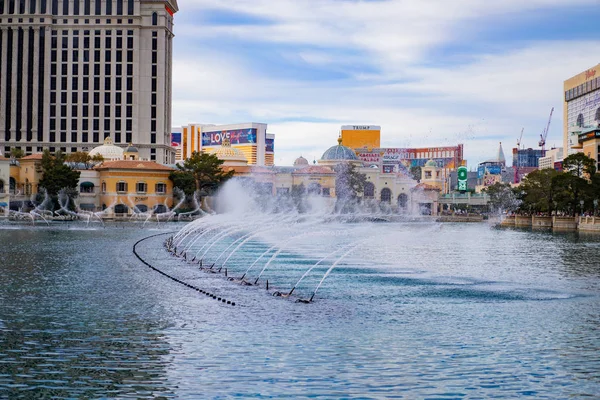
pixel 415 310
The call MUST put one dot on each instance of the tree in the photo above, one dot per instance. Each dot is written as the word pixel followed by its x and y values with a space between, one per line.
pixel 205 170
pixel 415 173
pixel 16 153
pixel 539 188
pixel 56 175
pixel 502 197
pixel 349 184
pixel 579 168
pixel 83 158
pixel 184 181
pixel 579 165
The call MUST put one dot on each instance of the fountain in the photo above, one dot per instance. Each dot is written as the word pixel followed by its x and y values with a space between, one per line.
pixel 276 240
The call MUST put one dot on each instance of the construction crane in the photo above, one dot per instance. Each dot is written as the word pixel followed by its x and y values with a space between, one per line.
pixel 544 134
pixel 518 162
pixel 520 138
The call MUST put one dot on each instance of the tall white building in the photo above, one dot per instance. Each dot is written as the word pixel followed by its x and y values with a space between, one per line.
pixel 73 72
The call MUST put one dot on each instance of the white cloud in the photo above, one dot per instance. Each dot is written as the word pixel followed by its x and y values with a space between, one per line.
pixel 479 103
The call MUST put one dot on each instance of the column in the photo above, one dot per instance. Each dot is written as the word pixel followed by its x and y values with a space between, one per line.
pixel 36 78
pixel 13 108
pixel 3 84
pixel 45 97
pixel 24 80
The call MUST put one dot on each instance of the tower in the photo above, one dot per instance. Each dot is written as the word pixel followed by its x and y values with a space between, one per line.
pixel 73 72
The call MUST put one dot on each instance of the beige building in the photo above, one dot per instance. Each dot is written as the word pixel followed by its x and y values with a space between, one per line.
pixel 581 109
pixel 551 157
pixel 74 72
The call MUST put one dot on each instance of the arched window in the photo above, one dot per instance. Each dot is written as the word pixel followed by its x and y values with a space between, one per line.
pixel 402 200
pixel 86 187
pixel 154 18
pixel 141 187
pixel 369 190
pixel 32 6
pixel 103 187
pixel 122 187
pixel 129 7
pixel 160 188
pixel 121 209
pixel 386 195
pixel 1 181
pixel 580 121
pixel 141 208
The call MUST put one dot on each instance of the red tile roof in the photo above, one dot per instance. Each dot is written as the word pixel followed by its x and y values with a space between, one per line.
pixel 36 156
pixel 134 164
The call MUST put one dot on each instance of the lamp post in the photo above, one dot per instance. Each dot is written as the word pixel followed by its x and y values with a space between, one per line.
pixel 595 206
pixel 581 204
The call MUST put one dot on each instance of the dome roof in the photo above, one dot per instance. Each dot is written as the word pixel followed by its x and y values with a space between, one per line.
pixel 131 149
pixel 300 161
pixel 431 163
pixel 339 153
pixel 108 151
pixel 229 154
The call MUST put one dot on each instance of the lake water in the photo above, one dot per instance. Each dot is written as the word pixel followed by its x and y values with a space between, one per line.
pixel 413 310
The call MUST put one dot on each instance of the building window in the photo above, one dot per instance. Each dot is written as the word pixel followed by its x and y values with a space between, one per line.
pixel 86 187
pixel 154 18
pixel 122 187
pixel 386 195
pixel 369 190
pixel 141 187
pixel 161 188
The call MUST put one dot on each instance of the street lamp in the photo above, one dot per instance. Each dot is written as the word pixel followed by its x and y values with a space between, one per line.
pixel 581 204
pixel 595 206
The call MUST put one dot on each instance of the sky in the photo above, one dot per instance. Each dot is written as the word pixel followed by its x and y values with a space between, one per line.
pixel 429 72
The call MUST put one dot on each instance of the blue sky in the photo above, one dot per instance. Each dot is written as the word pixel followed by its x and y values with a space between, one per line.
pixel 429 72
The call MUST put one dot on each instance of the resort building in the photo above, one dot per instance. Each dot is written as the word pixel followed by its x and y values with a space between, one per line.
pixel 581 108
pixel 250 138
pixel 552 157
pixel 395 190
pixel 122 185
pixel 74 72
pixel 588 142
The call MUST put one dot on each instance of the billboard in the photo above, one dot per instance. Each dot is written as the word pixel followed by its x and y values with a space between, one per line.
pixel 238 136
pixel 462 178
pixel 176 139
pixel 270 145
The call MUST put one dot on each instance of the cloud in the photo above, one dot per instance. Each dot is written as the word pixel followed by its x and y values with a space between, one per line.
pixel 307 67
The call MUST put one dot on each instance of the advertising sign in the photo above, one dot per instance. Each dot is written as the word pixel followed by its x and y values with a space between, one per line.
pixel 175 139
pixel 239 136
pixel 270 145
pixel 369 158
pixel 462 178
pixel 388 169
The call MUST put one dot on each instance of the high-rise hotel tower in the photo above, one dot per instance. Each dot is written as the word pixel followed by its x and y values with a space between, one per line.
pixel 73 72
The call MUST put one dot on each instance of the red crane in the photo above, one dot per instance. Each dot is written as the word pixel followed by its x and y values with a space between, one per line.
pixel 544 134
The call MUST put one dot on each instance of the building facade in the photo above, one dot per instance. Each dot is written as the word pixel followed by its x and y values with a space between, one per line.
pixel 581 108
pixel 552 156
pixel 251 138
pixel 73 72
pixel 361 136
